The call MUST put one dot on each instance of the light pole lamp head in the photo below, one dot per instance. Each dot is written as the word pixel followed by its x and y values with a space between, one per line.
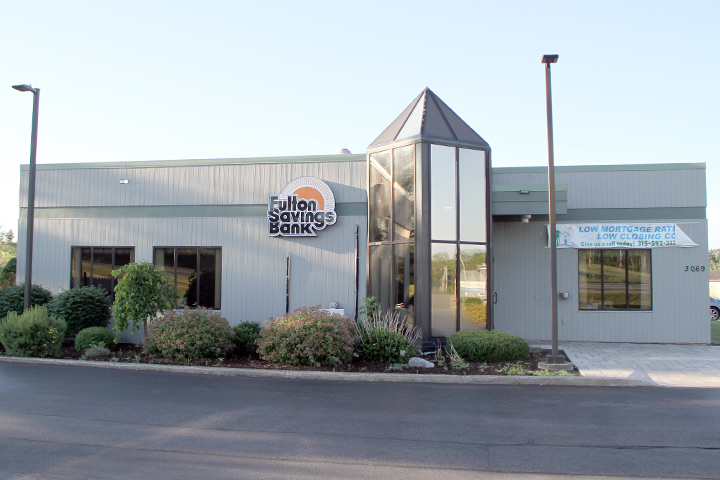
pixel 550 58
pixel 25 88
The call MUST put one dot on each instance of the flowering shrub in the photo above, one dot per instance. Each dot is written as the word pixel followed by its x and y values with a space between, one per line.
pixel 308 336
pixel 32 334
pixel 386 338
pixel 189 335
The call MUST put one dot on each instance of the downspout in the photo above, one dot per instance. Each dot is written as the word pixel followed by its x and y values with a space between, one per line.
pixel 357 268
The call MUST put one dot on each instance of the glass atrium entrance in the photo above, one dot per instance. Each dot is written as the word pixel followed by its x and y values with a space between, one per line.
pixel 429 221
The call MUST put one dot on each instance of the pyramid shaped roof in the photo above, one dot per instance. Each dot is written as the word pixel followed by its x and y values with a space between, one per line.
pixel 429 119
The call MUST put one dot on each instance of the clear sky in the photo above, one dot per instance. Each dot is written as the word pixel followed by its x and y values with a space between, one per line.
pixel 637 81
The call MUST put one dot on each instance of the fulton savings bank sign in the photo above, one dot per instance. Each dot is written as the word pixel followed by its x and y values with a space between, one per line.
pixel 303 207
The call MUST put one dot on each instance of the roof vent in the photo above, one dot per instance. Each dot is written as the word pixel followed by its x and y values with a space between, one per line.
pixel 343 151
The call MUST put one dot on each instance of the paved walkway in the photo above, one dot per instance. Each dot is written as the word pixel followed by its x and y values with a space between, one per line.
pixel 657 364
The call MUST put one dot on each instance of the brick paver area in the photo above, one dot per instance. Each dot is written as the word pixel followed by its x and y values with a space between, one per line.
pixel 657 364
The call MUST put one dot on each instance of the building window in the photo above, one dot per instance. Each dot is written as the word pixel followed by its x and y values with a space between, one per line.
pixel 615 279
pixel 391 220
pixel 94 266
pixel 196 273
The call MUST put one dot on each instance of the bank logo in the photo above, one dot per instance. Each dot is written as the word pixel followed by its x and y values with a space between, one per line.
pixel 303 207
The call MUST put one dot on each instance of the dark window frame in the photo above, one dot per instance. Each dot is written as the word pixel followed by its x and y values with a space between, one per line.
pixel 627 307
pixel 113 265
pixel 216 305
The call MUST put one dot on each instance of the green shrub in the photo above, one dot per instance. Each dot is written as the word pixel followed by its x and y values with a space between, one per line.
pixel 386 338
pixel 489 346
pixel 81 308
pixel 308 336
pixel 189 335
pixel 12 298
pixel 385 347
pixel 87 337
pixel 246 334
pixel 32 334
pixel 142 291
pixel 96 351
pixel 7 274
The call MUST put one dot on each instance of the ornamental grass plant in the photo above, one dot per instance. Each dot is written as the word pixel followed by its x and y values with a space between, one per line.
pixel 189 334
pixel 308 336
pixel 386 338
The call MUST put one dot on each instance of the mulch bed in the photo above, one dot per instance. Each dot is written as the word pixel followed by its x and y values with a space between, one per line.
pixel 131 353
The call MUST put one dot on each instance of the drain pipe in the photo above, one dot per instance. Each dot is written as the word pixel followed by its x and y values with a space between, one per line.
pixel 287 284
pixel 357 269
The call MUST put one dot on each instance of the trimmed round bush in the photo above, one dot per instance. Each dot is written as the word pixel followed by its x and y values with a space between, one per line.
pixel 308 336
pixel 246 334
pixel 189 335
pixel 82 307
pixel 384 346
pixel 87 337
pixel 12 298
pixel 32 334
pixel 489 346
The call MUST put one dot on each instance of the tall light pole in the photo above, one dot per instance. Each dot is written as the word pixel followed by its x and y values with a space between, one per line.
pixel 31 191
pixel 555 358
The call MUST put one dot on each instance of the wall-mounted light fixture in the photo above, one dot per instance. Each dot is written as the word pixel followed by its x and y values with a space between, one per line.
pixel 124 181
pixel 524 192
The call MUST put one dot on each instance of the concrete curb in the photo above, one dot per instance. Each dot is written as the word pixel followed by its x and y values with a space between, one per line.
pixel 573 381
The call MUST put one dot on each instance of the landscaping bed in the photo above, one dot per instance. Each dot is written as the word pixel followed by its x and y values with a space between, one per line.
pixel 131 353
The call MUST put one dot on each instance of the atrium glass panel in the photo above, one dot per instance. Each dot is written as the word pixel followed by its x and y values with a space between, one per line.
pixel 405 280
pixel 379 197
pixel 381 277
pixel 404 192
pixel 443 214
pixel 473 287
pixel 444 303
pixel 639 280
pixel 473 200
pixel 590 279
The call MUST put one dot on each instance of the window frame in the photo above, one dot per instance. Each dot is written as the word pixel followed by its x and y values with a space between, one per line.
pixel 113 265
pixel 627 307
pixel 174 275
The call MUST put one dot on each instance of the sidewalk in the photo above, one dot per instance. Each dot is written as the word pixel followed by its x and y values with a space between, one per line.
pixel 655 364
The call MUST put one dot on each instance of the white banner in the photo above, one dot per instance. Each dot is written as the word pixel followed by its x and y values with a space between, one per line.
pixel 620 235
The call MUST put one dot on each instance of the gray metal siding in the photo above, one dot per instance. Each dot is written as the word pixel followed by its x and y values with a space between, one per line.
pixel 522 272
pixel 253 264
pixel 622 189
pixel 188 185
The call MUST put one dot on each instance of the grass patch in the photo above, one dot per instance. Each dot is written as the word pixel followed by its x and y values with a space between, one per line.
pixel 715 332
